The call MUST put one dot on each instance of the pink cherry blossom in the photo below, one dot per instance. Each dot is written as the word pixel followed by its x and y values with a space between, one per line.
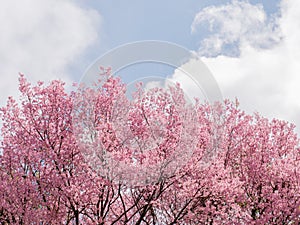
pixel 97 156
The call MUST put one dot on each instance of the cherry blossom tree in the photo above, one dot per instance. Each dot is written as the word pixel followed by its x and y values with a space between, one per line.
pixel 99 156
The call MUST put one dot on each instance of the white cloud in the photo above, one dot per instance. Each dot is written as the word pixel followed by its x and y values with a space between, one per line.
pixel 265 75
pixel 236 23
pixel 41 39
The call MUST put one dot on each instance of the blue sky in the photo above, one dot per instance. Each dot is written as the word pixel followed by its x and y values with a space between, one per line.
pixel 127 21
pixel 135 20
pixel 252 47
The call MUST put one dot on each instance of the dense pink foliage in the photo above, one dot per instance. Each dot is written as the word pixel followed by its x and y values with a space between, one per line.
pixel 96 156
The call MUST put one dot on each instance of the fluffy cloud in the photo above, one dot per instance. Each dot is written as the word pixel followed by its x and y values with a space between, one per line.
pixel 234 24
pixel 264 74
pixel 41 39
